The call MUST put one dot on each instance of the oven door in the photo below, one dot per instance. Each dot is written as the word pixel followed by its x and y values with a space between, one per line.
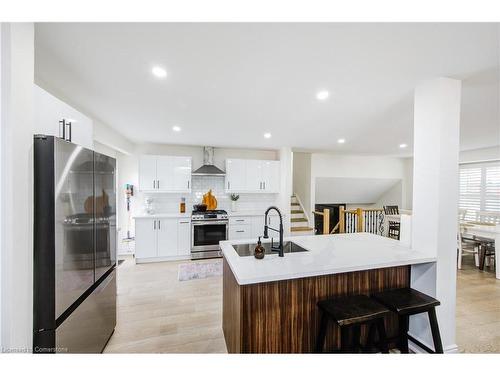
pixel 207 234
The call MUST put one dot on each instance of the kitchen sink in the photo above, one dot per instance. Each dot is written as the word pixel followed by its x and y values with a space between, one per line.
pixel 246 250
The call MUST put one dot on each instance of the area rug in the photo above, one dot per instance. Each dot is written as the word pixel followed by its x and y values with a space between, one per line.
pixel 199 270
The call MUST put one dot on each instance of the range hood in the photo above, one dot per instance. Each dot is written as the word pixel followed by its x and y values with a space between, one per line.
pixel 208 168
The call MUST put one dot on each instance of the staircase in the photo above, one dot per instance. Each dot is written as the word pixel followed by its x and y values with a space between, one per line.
pixel 299 224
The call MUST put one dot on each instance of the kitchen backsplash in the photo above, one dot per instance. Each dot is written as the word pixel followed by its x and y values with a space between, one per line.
pixel 169 203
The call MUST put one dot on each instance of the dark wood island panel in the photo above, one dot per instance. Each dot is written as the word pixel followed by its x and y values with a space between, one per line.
pixel 282 316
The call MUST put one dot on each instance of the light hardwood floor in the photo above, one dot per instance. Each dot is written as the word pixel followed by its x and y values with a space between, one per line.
pixel 159 314
pixel 478 309
pixel 156 313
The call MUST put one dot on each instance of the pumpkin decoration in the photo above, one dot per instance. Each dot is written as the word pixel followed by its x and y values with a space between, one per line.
pixel 209 200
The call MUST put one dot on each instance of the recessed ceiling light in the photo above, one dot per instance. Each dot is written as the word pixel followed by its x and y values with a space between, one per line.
pixel 403 145
pixel 159 72
pixel 176 128
pixel 267 135
pixel 341 140
pixel 322 95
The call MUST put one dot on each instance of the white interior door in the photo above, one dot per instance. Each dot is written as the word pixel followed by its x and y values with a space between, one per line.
pixel 145 238
pixel 147 172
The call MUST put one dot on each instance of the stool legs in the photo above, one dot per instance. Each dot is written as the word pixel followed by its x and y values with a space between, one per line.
pixel 344 340
pixel 322 333
pixel 436 336
pixel 382 335
pixel 403 333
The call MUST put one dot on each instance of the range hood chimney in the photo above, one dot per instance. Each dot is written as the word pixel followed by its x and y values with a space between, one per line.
pixel 208 168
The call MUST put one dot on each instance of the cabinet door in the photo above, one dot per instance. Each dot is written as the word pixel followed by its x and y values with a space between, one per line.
pixel 165 173
pixel 254 182
pixel 240 232
pixel 147 172
pixel 235 175
pixel 271 176
pixel 182 173
pixel 145 238
pixel 258 226
pixel 184 237
pixel 49 110
pixel 167 237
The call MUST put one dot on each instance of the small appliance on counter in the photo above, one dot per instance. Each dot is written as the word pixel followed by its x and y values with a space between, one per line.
pixel 208 228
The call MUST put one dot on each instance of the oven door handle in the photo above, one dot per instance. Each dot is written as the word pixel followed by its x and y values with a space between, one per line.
pixel 198 223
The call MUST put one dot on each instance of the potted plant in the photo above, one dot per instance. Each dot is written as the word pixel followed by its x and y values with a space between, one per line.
pixel 234 199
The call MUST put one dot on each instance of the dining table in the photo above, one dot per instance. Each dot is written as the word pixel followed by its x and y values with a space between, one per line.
pixel 485 230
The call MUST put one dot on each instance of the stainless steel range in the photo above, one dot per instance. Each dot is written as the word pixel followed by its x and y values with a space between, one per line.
pixel 208 228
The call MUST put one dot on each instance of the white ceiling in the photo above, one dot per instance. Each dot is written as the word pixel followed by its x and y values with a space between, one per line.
pixel 229 83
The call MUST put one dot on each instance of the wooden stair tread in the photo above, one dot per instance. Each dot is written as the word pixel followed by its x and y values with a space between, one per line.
pixel 297 219
pixel 295 204
pixel 297 212
pixel 301 229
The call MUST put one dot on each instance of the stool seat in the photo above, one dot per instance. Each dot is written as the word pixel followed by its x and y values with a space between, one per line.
pixel 406 301
pixel 353 309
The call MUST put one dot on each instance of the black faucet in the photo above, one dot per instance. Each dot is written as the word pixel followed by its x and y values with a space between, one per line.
pixel 266 228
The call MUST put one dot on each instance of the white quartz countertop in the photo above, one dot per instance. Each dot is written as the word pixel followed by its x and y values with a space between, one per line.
pixel 326 255
pixel 163 216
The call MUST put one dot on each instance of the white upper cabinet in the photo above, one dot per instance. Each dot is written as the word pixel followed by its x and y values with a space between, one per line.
pixel 49 111
pixel 252 176
pixel 235 175
pixel 182 173
pixel 165 174
pixel 147 172
pixel 271 176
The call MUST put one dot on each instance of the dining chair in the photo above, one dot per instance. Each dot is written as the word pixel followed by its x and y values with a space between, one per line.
pixel 394 226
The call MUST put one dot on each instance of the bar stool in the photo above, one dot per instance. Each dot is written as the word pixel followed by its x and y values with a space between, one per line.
pixel 406 302
pixel 352 312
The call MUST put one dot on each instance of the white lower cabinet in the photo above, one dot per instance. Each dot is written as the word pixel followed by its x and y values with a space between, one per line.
pixel 251 227
pixel 184 238
pixel 162 239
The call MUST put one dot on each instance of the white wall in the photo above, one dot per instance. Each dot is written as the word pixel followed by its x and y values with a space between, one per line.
pixel 481 154
pixel 354 166
pixel 17 128
pixel 302 180
pixel 105 135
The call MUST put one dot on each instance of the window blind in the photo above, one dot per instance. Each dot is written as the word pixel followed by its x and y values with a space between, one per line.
pixel 479 188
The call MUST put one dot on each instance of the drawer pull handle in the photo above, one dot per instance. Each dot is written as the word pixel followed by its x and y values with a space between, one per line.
pixel 240 231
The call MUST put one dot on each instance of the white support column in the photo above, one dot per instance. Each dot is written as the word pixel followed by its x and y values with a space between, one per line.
pixel 286 183
pixel 435 202
pixel 16 179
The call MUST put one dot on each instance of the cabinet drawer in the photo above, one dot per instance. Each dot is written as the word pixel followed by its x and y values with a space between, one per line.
pixel 239 220
pixel 237 232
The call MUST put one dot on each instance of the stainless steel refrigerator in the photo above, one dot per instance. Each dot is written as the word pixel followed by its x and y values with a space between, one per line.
pixel 74 281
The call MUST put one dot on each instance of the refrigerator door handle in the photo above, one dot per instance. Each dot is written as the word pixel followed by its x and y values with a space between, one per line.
pixel 154 224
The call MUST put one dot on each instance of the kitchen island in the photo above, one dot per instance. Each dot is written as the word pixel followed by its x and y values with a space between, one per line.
pixel 269 305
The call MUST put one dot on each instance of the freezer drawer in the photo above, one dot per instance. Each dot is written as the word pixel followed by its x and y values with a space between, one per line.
pixel 89 327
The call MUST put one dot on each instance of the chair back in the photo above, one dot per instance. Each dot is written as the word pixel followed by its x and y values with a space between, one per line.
pixel 489 217
pixel 391 210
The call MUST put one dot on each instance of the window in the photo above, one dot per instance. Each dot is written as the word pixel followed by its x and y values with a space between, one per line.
pixel 479 188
